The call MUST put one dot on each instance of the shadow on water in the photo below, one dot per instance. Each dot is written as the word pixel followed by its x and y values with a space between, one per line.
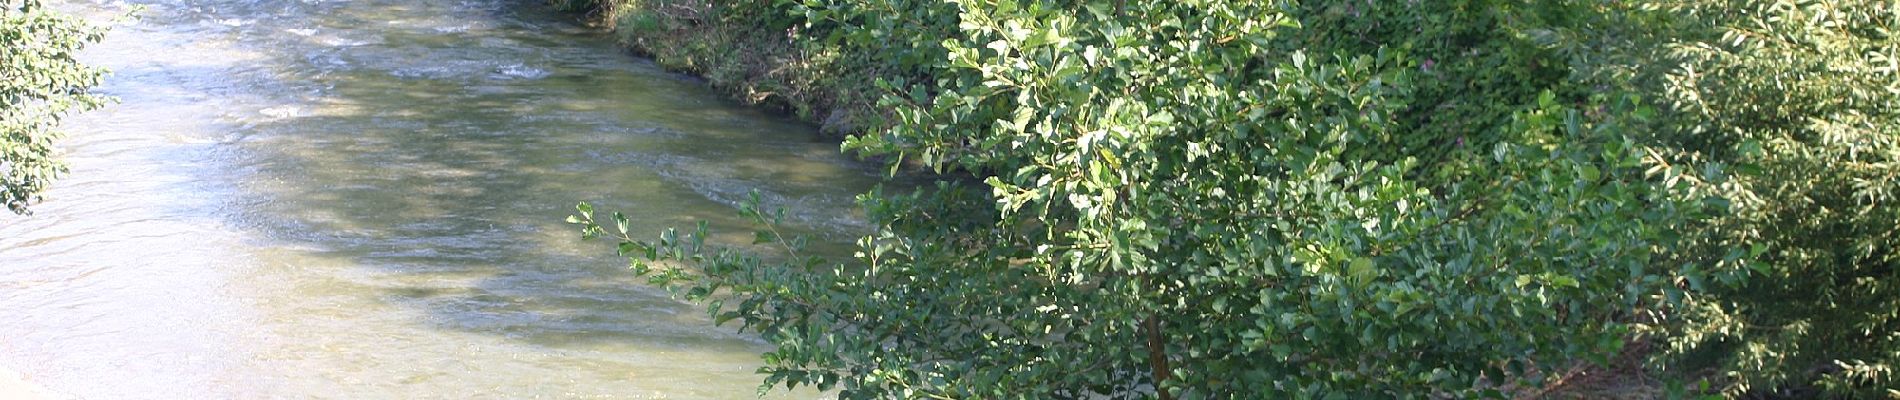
pixel 421 156
pixel 441 154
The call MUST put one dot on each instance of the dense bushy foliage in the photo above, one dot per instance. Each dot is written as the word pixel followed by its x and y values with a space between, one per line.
pixel 1394 204
pixel 1214 198
pixel 39 82
pixel 1801 100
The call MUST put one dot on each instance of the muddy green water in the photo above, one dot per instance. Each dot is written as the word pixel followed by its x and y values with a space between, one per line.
pixel 363 199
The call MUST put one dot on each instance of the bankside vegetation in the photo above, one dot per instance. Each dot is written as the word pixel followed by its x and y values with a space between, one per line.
pixel 40 82
pixel 1281 199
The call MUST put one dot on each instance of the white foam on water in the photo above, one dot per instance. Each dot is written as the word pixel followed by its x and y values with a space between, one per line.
pixel 518 71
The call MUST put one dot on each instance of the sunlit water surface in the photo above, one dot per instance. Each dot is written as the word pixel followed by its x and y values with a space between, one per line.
pixel 363 199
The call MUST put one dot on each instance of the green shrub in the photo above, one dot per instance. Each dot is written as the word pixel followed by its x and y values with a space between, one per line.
pixel 1801 100
pixel 1225 198
pixel 1217 198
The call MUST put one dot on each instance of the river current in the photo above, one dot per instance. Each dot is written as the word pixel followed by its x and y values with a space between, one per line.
pixel 364 199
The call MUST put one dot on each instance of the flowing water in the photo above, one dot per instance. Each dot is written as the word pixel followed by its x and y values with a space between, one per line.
pixel 363 199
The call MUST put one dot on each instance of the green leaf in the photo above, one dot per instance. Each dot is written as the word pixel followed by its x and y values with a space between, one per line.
pixel 1361 269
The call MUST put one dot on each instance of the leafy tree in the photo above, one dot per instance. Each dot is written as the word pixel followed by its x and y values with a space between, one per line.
pixel 1801 101
pixel 1219 199
pixel 40 81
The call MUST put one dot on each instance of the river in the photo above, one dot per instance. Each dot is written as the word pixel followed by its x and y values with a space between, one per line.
pixel 363 199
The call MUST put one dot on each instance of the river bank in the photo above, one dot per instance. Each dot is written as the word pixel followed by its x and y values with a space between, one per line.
pixel 752 59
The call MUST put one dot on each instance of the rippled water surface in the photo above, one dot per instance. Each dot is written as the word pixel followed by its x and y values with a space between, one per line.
pixel 362 199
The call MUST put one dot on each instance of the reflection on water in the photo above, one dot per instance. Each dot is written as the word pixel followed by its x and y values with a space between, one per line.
pixel 362 199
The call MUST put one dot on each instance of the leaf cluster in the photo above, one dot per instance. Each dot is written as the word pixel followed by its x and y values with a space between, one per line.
pixel 40 82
